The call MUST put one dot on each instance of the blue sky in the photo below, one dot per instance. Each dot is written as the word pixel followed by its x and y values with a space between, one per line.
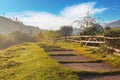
pixel 62 12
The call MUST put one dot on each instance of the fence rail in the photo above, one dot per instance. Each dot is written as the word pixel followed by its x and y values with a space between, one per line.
pixel 86 39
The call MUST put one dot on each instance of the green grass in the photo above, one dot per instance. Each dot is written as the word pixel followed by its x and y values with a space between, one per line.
pixel 28 61
pixel 88 52
pixel 94 53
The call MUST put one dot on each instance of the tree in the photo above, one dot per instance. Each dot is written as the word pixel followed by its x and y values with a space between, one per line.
pixel 107 28
pixel 19 37
pixel 37 37
pixel 89 25
pixel 93 30
pixel 66 30
pixel 3 41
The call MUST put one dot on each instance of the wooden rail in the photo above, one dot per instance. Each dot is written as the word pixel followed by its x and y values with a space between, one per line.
pixel 86 39
pixel 112 37
pixel 87 36
pixel 91 40
pixel 99 42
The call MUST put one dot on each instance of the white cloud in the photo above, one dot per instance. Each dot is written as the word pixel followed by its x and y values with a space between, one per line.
pixel 47 20
pixel 80 10
pixel 42 19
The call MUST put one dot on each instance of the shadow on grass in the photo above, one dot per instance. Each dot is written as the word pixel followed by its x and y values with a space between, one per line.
pixel 49 48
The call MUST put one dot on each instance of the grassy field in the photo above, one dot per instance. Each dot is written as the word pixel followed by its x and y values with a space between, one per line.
pixel 28 61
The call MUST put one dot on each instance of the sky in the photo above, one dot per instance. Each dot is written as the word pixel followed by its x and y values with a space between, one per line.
pixel 51 14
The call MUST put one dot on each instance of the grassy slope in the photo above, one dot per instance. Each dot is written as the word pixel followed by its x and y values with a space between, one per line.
pixel 91 52
pixel 29 62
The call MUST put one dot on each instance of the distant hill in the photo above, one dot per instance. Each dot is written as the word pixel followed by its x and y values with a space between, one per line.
pixel 7 25
pixel 114 24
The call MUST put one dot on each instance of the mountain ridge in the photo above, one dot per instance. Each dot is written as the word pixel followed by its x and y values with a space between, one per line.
pixel 8 25
pixel 114 24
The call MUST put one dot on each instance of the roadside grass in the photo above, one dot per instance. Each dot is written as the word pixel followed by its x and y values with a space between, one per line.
pixel 27 61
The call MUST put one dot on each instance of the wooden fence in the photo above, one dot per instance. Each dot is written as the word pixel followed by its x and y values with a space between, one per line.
pixel 85 40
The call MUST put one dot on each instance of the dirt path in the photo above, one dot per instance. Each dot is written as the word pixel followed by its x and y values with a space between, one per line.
pixel 97 67
pixel 71 58
pixel 85 65
pixel 62 52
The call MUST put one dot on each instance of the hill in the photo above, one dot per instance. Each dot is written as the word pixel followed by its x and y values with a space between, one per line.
pixel 114 24
pixel 7 25
pixel 28 61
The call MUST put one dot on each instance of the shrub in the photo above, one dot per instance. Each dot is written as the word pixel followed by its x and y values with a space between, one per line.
pixel 66 30
pixel 18 36
pixel 113 33
pixel 93 30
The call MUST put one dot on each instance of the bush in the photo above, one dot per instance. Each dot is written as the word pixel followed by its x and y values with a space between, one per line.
pixel 113 33
pixel 66 30
pixel 93 30
pixel 18 36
